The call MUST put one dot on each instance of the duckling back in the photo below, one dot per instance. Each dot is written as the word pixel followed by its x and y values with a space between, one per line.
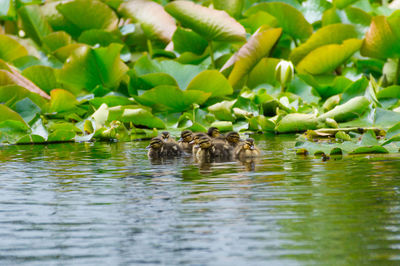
pixel 171 150
pixel 247 149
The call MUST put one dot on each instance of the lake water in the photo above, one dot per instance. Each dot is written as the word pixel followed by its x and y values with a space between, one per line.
pixel 107 204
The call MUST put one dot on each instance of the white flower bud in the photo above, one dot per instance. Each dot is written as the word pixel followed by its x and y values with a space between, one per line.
pixel 284 72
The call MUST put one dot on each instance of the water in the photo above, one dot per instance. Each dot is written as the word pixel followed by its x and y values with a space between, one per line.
pixel 107 204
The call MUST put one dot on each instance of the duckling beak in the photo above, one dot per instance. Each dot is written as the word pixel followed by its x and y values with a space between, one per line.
pixel 252 147
pixel 192 142
pixel 197 146
pixel 181 139
pixel 148 146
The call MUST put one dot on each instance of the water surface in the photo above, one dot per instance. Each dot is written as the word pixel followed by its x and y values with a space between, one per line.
pixel 107 204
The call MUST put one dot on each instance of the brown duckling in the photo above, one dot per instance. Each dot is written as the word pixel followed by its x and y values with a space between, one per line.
pixel 214 134
pixel 158 148
pixel 233 139
pixel 247 149
pixel 184 141
pixel 209 150
pixel 195 141
pixel 167 137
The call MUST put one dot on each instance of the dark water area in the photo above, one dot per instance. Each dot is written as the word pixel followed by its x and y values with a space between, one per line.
pixel 107 204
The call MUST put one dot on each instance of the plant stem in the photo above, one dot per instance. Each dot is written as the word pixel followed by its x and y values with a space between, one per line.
pixel 211 54
pixel 150 48
pixel 397 75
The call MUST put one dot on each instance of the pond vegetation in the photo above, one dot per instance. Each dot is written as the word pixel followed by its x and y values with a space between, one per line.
pixel 85 70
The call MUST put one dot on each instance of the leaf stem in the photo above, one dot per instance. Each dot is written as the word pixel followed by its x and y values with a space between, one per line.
pixel 150 48
pixel 212 54
pixel 397 75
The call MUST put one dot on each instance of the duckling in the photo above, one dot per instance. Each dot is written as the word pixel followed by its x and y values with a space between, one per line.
pixel 214 134
pixel 158 148
pixel 209 150
pixel 195 141
pixel 233 139
pixel 167 137
pixel 184 142
pixel 247 150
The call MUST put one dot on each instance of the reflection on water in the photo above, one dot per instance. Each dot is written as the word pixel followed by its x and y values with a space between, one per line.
pixel 102 203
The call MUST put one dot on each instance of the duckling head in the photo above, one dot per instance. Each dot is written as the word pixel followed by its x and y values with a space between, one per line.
pixel 165 135
pixel 213 132
pixel 186 136
pixel 249 144
pixel 204 143
pixel 196 137
pixel 155 143
pixel 233 137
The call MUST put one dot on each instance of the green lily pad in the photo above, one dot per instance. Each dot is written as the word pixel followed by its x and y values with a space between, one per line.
pixel 11 49
pixel 99 36
pixel 211 24
pixel 155 22
pixel 355 89
pixel 188 41
pixel 34 22
pixel 11 94
pixel 296 122
pixel 88 68
pixel 343 3
pixel 30 139
pixel 358 16
pixel 12 130
pixel 142 117
pixel 27 109
pixel 331 34
pixel 88 14
pixel 171 98
pixel 151 80
pixel 211 81
pixel 232 7
pixel 223 110
pixel 44 77
pixel 62 100
pixel 380 40
pixel 110 100
pixel 8 114
pixel 328 57
pixel 258 19
pixel 258 46
pixel 352 109
pixel 289 18
pixel 56 40
pixel 389 92
pixel 223 126
pixel 263 73
pixel 313 10
pixel 61 136
pixel 326 85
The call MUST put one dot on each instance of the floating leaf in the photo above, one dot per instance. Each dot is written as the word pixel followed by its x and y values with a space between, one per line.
pixel 223 110
pixel 263 73
pixel 358 16
pixel 188 41
pixel 30 139
pixel 8 114
pixel 343 3
pixel 142 117
pixel 353 108
pixel 296 123
pixel 34 23
pixel 99 36
pixel 223 126
pixel 232 7
pixel 110 100
pixel 43 76
pixel 56 40
pixel 88 68
pixel 258 19
pixel 331 34
pixel 326 85
pixel 62 100
pixel 258 46
pixel 151 80
pixel 171 98
pixel 11 49
pixel 211 24
pixel 61 136
pixel 88 14
pixel 155 22
pixel 289 18
pixel 357 88
pixel 11 130
pixel 389 92
pixel 328 57
pixel 380 40
pixel 211 81
pixel 27 109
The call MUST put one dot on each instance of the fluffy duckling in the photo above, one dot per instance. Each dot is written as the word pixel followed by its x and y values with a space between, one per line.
pixel 158 148
pixel 185 140
pixel 209 150
pixel 214 134
pixel 167 137
pixel 195 141
pixel 247 150
pixel 233 139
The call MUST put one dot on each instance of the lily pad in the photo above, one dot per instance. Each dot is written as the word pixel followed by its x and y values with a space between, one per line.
pixel 259 45
pixel 289 18
pixel 56 40
pixel 11 49
pixel 211 81
pixel 155 22
pixel 12 130
pixel 27 109
pixel 30 139
pixel 8 114
pixel 296 122
pixel 62 100
pixel 232 7
pixel 61 136
pixel 88 68
pixel 99 36
pixel 352 109
pixel 171 98
pixel 328 57
pixel 188 41
pixel 223 110
pixel 331 34
pixel 211 24
pixel 142 117
pixel 44 77
pixel 34 22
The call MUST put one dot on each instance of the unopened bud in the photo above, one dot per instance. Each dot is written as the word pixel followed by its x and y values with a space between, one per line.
pixel 284 72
